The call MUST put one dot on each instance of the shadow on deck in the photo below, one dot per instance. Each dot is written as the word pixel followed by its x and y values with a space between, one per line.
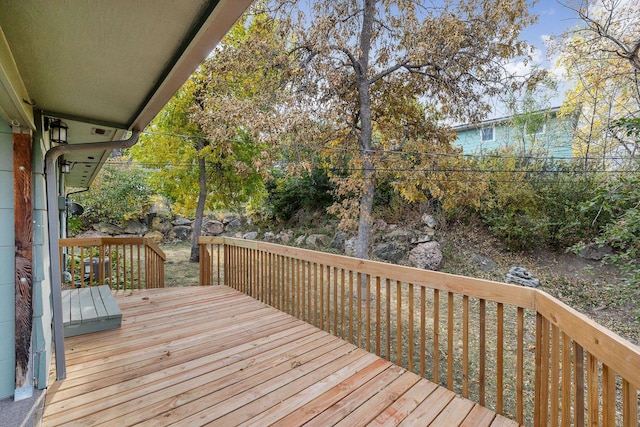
pixel 212 355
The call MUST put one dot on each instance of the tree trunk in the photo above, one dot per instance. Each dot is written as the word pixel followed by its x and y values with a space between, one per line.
pixel 366 209
pixel 202 199
pixel 366 131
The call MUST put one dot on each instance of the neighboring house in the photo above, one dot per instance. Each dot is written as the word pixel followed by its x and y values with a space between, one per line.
pixel 104 68
pixel 541 132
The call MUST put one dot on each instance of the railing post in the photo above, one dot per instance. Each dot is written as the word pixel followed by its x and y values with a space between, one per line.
pixel 205 279
pixel 101 259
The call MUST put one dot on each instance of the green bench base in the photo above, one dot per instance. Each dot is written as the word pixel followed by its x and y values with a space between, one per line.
pixel 87 310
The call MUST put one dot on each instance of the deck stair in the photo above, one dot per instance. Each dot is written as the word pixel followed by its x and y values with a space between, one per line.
pixel 89 309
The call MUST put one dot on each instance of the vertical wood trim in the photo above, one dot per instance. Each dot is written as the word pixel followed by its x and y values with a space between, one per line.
pixel 23 222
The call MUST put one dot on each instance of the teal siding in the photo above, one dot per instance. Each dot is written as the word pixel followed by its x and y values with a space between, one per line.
pixel 555 141
pixel 7 264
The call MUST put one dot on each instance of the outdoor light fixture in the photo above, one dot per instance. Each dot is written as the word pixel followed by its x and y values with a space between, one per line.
pixel 58 132
pixel 65 167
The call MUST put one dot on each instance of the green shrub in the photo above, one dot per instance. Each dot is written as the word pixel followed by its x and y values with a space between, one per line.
pixel 616 210
pixel 288 194
pixel 118 194
pixel 539 205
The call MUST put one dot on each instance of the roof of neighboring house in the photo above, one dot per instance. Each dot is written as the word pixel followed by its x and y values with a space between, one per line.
pixel 103 66
pixel 499 120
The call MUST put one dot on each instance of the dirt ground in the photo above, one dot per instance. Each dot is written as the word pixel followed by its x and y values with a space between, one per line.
pixel 590 287
pixel 178 271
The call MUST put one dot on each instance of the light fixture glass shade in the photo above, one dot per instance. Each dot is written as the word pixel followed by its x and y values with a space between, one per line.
pixel 58 132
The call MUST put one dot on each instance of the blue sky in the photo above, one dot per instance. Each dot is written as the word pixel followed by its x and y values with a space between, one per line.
pixel 553 20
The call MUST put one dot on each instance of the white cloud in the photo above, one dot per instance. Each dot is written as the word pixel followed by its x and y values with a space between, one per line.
pixel 524 67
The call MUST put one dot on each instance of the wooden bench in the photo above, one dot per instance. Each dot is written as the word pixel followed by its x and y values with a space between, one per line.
pixel 91 309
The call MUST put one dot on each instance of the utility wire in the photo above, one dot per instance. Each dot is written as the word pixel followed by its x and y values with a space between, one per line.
pixel 419 153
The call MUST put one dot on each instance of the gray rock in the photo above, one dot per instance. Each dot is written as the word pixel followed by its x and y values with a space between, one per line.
pixel 379 224
pixel 300 240
pixel 421 239
pixel 135 227
pixel 426 255
pixel 162 225
pixel 521 276
pixel 213 228
pixel 181 221
pixel 91 233
pixel 269 237
pixel 285 236
pixel 317 241
pixel 229 218
pixel 104 227
pixel 233 225
pixel 400 235
pixel 595 252
pixel 181 232
pixel 430 221
pixel 154 236
pixel 338 241
pixel 390 251
pixel 238 235
pixel 350 246
pixel 252 235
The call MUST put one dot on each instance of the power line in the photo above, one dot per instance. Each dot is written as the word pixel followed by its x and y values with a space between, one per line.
pixel 404 170
pixel 420 153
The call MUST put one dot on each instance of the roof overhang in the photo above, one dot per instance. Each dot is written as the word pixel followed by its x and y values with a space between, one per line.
pixel 552 111
pixel 102 66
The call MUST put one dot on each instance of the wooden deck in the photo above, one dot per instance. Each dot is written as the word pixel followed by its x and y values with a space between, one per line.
pixel 211 355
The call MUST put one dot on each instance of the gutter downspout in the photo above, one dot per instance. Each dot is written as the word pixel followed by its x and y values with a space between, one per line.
pixel 54 234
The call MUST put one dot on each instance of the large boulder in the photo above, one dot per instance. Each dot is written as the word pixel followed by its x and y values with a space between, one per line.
pixel 269 237
pixel 252 235
pixel 181 221
pixel 379 224
pixel 426 255
pixel 317 241
pixel 161 224
pixel 338 241
pixel 154 236
pixel 300 240
pixel 91 234
pixel 229 218
pixel 350 246
pixel 135 227
pixel 181 232
pixel 105 227
pixel 400 235
pixel 390 251
pixel 233 225
pixel 213 228
pixel 430 221
pixel 284 237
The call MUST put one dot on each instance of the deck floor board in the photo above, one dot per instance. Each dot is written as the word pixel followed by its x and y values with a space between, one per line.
pixel 213 356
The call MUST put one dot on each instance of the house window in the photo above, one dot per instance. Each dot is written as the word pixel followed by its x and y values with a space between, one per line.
pixel 486 134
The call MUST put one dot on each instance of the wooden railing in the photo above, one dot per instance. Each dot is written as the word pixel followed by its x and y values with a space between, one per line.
pixel 120 262
pixel 515 350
